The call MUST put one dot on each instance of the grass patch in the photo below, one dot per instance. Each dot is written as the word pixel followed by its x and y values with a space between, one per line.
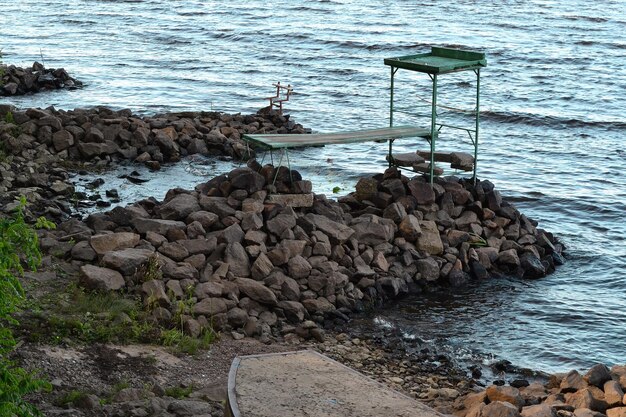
pixel 179 392
pixel 70 398
pixel 183 343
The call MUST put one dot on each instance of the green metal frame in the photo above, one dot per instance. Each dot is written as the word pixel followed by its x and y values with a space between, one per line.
pixel 440 61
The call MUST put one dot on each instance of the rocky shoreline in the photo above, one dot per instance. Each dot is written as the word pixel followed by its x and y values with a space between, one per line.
pixel 17 81
pixel 251 257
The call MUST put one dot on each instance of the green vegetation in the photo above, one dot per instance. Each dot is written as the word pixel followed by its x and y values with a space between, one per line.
pixel 70 398
pixel 19 246
pixel 179 392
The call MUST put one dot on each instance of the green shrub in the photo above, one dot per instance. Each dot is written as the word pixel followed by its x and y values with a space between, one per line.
pixel 18 245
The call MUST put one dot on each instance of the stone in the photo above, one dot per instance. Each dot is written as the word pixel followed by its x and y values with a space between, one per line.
pixel 217 205
pixel 291 200
pixel 235 255
pixel 422 192
pixel 103 279
pixel 539 410
pixel 318 305
pixel 465 220
pixel 294 311
pixel 189 408
pixel 613 393
pixel 159 226
pixel 290 289
pixel 210 307
pixel 500 409
pixel 179 207
pixel 409 228
pixel 429 240
pixel 62 140
pixel 598 374
pixel 126 261
pixel 583 398
pixel 205 218
pixel 506 394
pixel 256 291
pixel 237 317
pixel 572 382
pixel 366 188
pixel 428 269
pixel 299 267
pixel 616 412
pixel 509 258
pixel 246 179
pixel 585 412
pixel 280 223
pixel 337 232
pixel 232 234
pixel 395 212
pixel 370 233
pixel 174 250
pixel 533 268
pixel 154 293
pixel 82 251
pixel 261 267
pixel 113 241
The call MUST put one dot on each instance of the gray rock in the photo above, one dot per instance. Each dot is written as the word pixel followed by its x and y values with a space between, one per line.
pixel 205 218
pixel 598 374
pixel 127 260
pixel 337 232
pixel 509 258
pixel 280 223
pixel 395 212
pixel 256 291
pixel 422 192
pixel 154 293
pixel 159 226
pixel 318 305
pixel 291 200
pixel 533 268
pixel 465 220
pixel 232 234
pixel 216 205
pixel 409 228
pixel 429 240
pixel 261 267
pixel 237 317
pixel 104 279
pixel 179 207
pixel 82 251
pixel 290 289
pixel 189 408
pixel 371 233
pixel 299 267
pixel 113 241
pixel 174 250
pixel 62 140
pixel 210 307
pixel 428 269
pixel 237 258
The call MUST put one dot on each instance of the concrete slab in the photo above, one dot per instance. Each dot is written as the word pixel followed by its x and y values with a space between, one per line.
pixel 306 383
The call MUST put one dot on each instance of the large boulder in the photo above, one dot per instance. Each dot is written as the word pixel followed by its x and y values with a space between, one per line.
pixel 429 240
pixel 179 207
pixel 337 232
pixel 96 278
pixel 113 241
pixel 126 261
pixel 237 258
pixel 256 291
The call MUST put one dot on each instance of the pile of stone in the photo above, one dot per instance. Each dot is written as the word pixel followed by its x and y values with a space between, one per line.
pixel 16 81
pixel 268 259
pixel 598 393
pixel 40 145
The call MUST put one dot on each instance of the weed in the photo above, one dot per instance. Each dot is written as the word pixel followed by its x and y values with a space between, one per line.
pixel 150 270
pixel 9 118
pixel 70 398
pixel 179 392
pixel 183 343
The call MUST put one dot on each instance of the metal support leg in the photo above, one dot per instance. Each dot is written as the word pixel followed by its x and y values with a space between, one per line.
pixel 393 72
pixel 280 163
pixel 477 71
pixel 433 129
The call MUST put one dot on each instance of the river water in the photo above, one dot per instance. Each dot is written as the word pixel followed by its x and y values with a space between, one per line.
pixel 552 126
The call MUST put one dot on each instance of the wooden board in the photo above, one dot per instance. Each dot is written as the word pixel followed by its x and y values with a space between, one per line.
pixel 320 139
pixel 306 383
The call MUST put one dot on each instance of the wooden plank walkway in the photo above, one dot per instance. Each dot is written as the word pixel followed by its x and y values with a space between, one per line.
pixel 277 141
pixel 306 383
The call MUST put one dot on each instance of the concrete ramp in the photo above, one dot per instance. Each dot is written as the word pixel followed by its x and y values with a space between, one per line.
pixel 306 383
